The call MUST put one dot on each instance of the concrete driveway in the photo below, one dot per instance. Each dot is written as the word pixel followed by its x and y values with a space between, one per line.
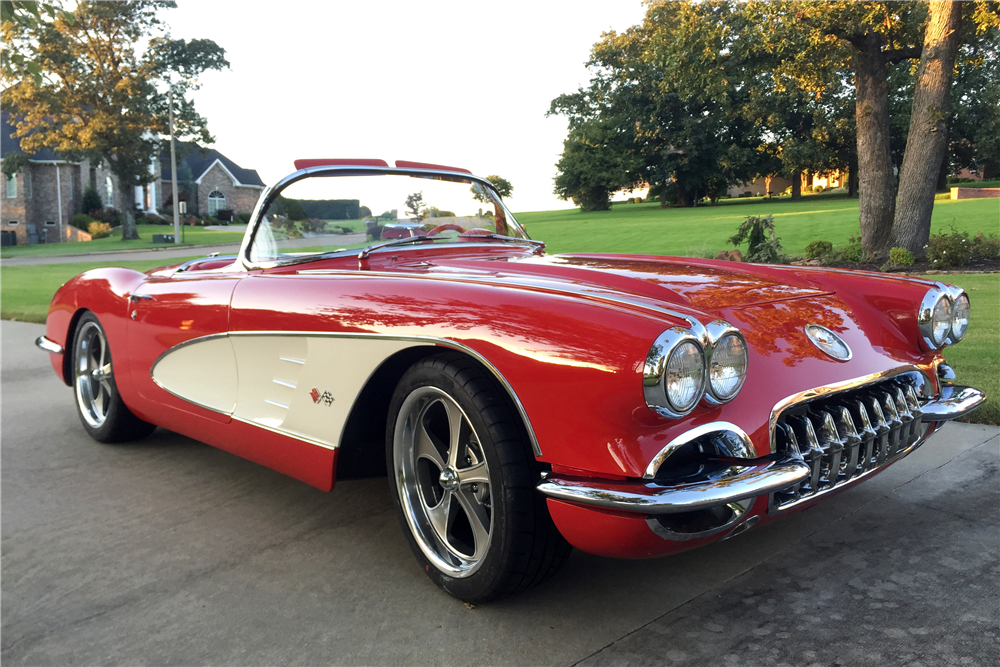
pixel 167 551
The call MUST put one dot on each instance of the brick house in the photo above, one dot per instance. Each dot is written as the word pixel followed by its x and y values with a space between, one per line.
pixel 39 201
pixel 208 181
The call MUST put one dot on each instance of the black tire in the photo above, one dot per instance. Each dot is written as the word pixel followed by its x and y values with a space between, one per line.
pixel 473 519
pixel 102 412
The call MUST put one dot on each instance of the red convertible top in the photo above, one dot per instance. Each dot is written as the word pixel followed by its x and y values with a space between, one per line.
pixel 343 161
pixel 404 164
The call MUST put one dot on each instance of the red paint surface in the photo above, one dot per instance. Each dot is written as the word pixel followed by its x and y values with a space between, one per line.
pixel 344 162
pixel 405 164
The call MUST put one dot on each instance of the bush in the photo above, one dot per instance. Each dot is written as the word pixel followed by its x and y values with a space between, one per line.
pixel 99 230
pixel 818 249
pixel 109 215
pixel 945 250
pixel 638 200
pixel 153 219
pixel 852 251
pixel 818 189
pixel 82 221
pixel 955 179
pixel 987 246
pixel 91 200
pixel 224 214
pixel 763 247
pixel 209 220
pixel 243 217
pixel 364 212
pixel 807 188
pixel 374 232
pixel 901 257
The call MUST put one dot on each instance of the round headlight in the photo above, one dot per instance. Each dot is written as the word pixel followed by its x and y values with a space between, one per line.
pixel 685 376
pixel 960 317
pixel 941 321
pixel 728 367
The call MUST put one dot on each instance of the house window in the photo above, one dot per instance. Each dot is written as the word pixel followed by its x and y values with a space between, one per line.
pixel 12 223
pixel 109 192
pixel 50 223
pixel 11 186
pixel 27 184
pixel 216 202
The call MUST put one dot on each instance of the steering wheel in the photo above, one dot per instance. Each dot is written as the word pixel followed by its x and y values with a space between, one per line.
pixel 445 227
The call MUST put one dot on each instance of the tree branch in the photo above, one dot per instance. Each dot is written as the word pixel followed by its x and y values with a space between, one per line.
pixel 898 55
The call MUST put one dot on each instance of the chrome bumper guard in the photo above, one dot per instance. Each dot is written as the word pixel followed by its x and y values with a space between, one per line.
pixel 801 469
pixel 46 345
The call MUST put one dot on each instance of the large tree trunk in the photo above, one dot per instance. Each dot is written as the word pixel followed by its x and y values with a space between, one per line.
pixel 852 177
pixel 874 162
pixel 927 139
pixel 796 185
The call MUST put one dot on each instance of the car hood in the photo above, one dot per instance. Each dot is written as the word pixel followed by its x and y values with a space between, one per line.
pixel 711 287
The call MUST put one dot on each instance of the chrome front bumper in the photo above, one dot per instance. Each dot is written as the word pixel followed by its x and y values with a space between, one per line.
pixel 738 482
pixel 47 345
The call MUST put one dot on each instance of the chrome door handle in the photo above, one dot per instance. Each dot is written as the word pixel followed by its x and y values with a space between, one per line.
pixel 135 297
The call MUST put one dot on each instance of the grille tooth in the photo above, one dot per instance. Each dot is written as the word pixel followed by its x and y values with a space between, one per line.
pixel 851 441
pixel 848 435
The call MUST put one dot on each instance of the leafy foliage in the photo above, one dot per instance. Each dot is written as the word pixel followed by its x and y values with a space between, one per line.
pixel 82 221
pixel 901 257
pixel 817 249
pixel 98 230
pixel 987 246
pixel 91 201
pixel 502 185
pixel 763 247
pixel 949 250
pixel 415 205
pixel 852 251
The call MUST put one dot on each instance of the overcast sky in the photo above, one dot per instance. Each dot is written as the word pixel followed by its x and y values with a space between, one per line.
pixel 464 84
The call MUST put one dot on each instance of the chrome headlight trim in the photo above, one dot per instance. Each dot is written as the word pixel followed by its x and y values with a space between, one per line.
pixel 716 331
pixel 925 316
pixel 655 371
pixel 957 293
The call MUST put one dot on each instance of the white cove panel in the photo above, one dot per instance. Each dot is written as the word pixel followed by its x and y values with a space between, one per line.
pixel 202 372
pixel 277 376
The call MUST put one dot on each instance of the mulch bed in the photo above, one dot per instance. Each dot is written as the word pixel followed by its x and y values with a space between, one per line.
pixel 977 264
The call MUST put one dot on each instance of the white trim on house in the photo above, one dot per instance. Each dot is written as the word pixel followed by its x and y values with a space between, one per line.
pixel 236 182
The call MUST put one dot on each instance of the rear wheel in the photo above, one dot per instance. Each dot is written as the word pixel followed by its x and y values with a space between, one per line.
pixel 102 411
pixel 463 479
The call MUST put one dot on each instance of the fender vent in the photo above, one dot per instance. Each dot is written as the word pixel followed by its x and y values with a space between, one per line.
pixel 845 436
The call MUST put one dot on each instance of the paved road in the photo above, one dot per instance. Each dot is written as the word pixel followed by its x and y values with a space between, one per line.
pixel 167 551
pixel 170 252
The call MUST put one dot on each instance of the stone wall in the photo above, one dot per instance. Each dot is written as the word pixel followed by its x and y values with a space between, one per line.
pixel 975 193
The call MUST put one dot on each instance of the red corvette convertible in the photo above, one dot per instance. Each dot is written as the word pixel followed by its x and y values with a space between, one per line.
pixel 521 402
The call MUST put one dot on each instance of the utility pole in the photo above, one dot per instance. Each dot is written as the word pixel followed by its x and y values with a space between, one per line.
pixel 173 168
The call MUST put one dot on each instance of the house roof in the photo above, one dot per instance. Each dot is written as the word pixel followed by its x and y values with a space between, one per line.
pixel 199 160
pixel 12 144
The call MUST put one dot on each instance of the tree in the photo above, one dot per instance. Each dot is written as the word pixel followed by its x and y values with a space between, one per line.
pixel 500 184
pixel 100 97
pixel 926 141
pixel 415 205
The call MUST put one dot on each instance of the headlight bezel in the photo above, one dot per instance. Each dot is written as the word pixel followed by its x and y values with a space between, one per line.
pixel 655 372
pixel 717 331
pixel 957 293
pixel 925 316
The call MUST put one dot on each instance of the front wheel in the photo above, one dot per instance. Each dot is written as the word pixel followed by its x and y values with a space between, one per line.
pixel 463 479
pixel 104 415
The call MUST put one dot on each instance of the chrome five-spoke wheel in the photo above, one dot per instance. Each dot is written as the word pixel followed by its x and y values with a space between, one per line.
pixel 463 477
pixel 444 481
pixel 93 374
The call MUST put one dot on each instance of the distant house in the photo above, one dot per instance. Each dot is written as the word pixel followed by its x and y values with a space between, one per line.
pixel 38 203
pixel 207 180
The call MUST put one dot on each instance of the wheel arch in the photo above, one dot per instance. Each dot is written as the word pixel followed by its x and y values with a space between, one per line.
pixel 361 452
pixel 67 357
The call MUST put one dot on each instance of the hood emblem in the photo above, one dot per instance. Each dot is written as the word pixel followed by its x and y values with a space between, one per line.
pixel 828 342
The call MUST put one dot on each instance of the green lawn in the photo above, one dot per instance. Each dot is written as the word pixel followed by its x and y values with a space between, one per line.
pixel 192 236
pixel 703 231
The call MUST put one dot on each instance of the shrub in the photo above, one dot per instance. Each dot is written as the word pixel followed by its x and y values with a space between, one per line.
pixel 956 179
pixel 153 219
pixel 209 220
pixel 374 232
pixel 638 200
pixel 944 250
pixel 852 251
pixel 818 249
pixel 224 214
pixel 987 246
pixel 82 221
pixel 109 215
pixel 364 212
pixel 243 217
pixel 99 230
pixel 746 193
pixel 807 188
pixel 901 257
pixel 91 200
pixel 763 247
pixel 818 189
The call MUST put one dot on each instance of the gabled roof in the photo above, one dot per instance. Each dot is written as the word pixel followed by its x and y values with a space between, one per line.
pixel 12 144
pixel 199 160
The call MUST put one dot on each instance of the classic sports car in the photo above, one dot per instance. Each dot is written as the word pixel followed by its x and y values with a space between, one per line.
pixel 630 406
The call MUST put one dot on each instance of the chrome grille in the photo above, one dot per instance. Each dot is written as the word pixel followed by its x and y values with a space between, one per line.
pixel 845 436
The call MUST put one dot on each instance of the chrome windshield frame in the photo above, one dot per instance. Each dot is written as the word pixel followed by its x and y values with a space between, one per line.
pixel 272 192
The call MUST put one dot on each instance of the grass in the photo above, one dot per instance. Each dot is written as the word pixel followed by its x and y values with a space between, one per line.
pixel 976 359
pixel 192 236
pixel 25 291
pixel 704 231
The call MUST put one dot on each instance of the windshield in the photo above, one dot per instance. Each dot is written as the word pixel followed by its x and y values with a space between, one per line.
pixel 323 213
